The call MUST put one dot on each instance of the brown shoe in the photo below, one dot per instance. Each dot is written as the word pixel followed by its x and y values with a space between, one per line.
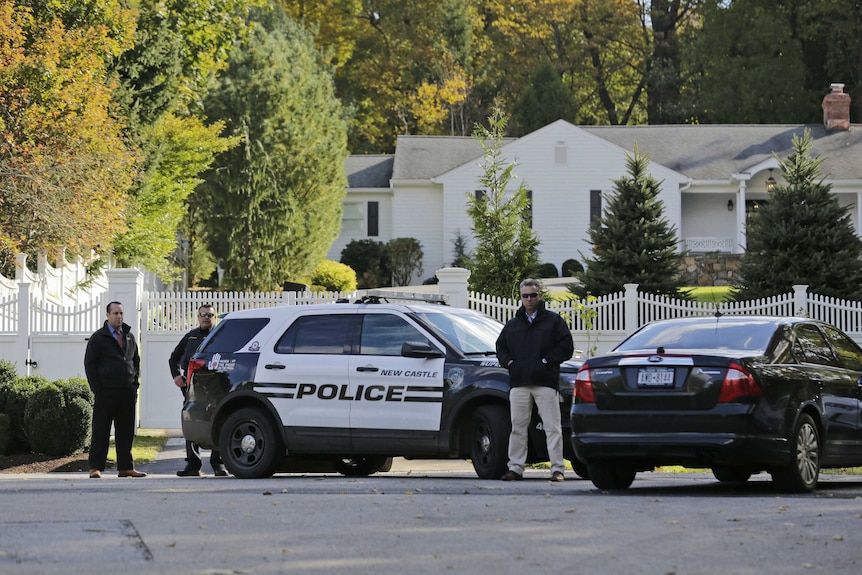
pixel 131 473
pixel 95 474
pixel 558 476
pixel 511 476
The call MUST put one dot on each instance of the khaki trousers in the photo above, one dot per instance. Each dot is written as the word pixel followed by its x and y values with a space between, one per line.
pixel 547 400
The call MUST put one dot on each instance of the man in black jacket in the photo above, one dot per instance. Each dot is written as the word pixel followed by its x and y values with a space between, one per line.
pixel 532 346
pixel 113 368
pixel 179 364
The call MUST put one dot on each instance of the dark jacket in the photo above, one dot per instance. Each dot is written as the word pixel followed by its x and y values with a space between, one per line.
pixel 109 366
pixel 179 360
pixel 527 344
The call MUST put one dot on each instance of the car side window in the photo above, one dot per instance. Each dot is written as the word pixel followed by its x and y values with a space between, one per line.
pixel 317 334
pixel 233 334
pixel 811 346
pixel 383 334
pixel 848 352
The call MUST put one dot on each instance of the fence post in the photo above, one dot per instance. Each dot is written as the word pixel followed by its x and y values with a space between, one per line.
pixel 22 354
pixel 126 286
pixel 453 282
pixel 800 300
pixel 631 306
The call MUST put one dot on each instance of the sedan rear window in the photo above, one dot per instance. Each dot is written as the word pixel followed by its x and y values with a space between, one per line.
pixel 736 335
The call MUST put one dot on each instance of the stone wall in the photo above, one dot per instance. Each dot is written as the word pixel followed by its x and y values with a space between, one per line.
pixel 713 269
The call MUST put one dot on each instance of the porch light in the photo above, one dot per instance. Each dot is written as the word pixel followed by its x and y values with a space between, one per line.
pixel 729 205
pixel 770 182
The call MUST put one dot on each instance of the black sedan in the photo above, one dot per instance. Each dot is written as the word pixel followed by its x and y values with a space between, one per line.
pixel 739 395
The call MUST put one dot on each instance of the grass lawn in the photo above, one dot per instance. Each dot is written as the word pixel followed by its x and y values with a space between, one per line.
pixel 144 448
pixel 711 294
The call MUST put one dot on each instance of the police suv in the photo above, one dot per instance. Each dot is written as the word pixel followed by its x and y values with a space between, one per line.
pixel 347 386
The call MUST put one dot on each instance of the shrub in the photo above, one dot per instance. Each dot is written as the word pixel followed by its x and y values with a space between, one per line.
pixel 75 387
pixel 548 270
pixel 16 403
pixel 6 441
pixel 405 259
pixel 572 267
pixel 334 276
pixel 8 376
pixel 368 258
pixel 56 420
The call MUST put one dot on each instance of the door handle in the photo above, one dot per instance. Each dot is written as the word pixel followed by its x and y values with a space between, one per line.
pixel 274 366
pixel 367 368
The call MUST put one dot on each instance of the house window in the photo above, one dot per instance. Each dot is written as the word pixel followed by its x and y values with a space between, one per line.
pixel 351 220
pixel 373 219
pixel 595 205
pixel 561 155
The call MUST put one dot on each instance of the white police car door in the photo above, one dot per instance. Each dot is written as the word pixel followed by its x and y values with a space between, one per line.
pixel 305 378
pixel 392 392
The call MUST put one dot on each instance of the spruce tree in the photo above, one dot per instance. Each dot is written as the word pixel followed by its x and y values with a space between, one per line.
pixel 632 241
pixel 802 235
pixel 506 247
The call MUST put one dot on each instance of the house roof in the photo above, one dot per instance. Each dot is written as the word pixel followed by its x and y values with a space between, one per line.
pixel 426 157
pixel 701 152
pixel 370 171
pixel 715 152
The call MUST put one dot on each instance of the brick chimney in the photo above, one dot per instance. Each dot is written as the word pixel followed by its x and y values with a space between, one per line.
pixel 836 109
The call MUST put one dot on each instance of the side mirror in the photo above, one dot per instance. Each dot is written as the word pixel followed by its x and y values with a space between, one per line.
pixel 423 350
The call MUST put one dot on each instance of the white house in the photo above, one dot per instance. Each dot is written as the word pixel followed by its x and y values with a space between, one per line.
pixel 712 176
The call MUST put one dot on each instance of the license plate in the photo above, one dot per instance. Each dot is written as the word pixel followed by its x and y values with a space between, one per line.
pixel 655 377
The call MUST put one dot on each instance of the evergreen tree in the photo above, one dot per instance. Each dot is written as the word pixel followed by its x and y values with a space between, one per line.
pixel 633 242
pixel 507 249
pixel 542 101
pixel 802 235
pixel 274 203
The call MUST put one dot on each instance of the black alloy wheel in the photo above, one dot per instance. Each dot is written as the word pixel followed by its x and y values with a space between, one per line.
pixel 489 441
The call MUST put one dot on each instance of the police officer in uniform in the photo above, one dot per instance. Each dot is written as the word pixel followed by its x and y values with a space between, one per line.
pixel 179 363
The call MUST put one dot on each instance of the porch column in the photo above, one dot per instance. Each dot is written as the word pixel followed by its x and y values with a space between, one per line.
pixel 740 245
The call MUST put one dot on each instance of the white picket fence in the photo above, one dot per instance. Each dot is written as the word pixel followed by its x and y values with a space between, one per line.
pixel 46 338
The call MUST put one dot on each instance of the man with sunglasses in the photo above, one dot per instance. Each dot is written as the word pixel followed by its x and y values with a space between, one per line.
pixel 179 362
pixel 532 346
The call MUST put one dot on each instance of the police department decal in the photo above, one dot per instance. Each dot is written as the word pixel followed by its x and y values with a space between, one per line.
pixel 255 346
pixel 216 363
pixel 456 375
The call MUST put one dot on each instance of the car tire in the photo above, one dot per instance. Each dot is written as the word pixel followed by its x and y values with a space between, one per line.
pixel 800 475
pixel 610 475
pixel 580 468
pixel 250 444
pixel 362 466
pixel 731 474
pixel 489 441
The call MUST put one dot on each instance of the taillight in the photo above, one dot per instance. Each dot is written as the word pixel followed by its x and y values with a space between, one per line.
pixel 738 383
pixel 584 387
pixel 194 365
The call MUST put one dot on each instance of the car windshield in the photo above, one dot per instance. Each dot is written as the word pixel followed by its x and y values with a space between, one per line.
pixel 471 333
pixel 714 334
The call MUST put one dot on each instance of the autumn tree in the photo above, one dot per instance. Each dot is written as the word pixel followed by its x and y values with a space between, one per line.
pixel 506 249
pixel 274 203
pixel 802 235
pixel 64 164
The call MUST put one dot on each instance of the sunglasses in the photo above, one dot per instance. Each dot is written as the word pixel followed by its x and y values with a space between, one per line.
pixel 206 314
pixel 529 295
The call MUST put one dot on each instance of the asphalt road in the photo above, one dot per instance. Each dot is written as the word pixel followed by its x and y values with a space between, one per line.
pixel 422 517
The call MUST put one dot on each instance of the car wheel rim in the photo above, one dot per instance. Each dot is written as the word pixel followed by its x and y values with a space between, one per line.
pixel 807 453
pixel 246 444
pixel 483 443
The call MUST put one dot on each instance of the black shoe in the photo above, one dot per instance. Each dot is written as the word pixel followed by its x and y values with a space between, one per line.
pixel 190 472
pixel 221 472
pixel 512 476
